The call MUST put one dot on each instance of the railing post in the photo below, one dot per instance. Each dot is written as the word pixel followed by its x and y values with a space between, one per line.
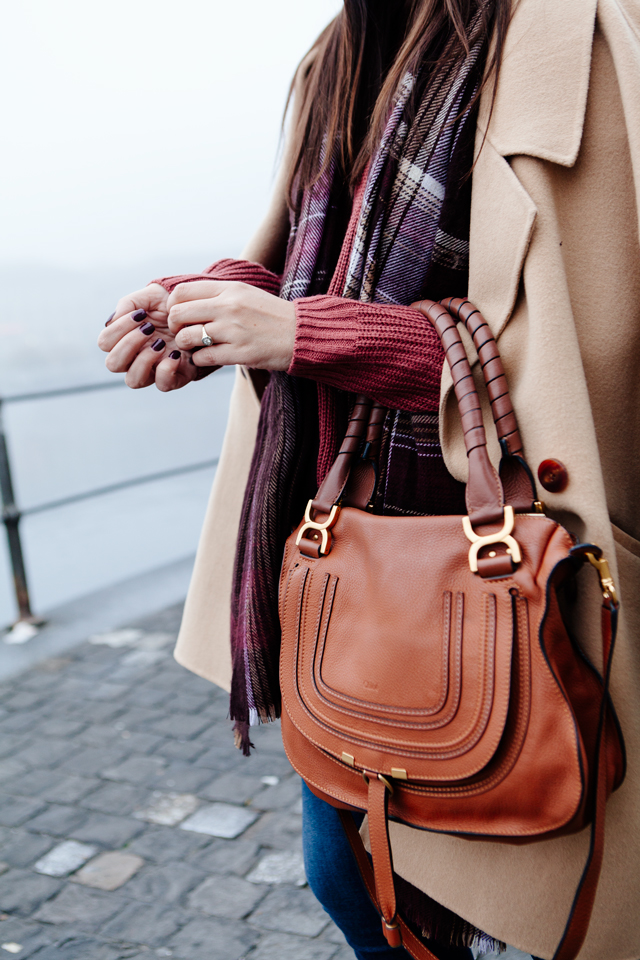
pixel 11 515
pixel 11 520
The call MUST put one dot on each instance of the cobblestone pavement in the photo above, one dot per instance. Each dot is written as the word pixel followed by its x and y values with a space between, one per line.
pixel 131 827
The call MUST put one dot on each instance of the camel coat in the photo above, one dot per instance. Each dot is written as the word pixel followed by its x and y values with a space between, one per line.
pixel 555 269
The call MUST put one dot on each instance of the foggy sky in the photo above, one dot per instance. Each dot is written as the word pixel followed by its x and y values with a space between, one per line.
pixel 137 130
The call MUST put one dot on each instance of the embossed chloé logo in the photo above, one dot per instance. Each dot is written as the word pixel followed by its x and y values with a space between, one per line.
pixel 369 685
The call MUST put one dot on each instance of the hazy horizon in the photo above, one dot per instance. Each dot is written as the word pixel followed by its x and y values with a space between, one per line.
pixel 139 139
pixel 142 130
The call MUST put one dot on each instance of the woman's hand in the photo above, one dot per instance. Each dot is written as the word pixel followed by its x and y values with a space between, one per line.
pixel 247 325
pixel 138 342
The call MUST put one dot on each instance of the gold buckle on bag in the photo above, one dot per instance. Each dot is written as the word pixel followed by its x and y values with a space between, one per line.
pixel 320 528
pixel 501 536
pixel 609 591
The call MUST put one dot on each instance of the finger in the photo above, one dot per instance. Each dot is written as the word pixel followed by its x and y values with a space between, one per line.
pixel 141 373
pixel 190 337
pixel 197 290
pixel 126 349
pixel 174 371
pixel 194 312
pixel 119 327
pixel 220 355
pixel 149 298
pixel 203 372
pixel 152 299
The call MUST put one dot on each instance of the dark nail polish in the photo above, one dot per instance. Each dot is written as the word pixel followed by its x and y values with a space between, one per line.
pixel 191 361
pixel 158 345
pixel 174 355
pixel 110 319
pixel 138 315
pixel 147 329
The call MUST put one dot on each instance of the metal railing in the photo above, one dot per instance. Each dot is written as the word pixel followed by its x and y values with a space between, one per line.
pixel 11 514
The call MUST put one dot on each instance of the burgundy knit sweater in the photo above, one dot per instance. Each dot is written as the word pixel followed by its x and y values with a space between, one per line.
pixel 391 354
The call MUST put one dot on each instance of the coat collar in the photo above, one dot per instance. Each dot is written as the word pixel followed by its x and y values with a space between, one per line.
pixel 542 93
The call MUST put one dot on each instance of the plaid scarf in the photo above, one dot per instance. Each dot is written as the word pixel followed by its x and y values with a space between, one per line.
pixel 411 241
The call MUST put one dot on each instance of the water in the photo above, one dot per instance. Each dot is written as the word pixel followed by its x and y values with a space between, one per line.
pixel 63 446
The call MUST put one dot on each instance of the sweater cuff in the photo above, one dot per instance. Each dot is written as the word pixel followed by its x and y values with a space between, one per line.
pixel 388 352
pixel 326 333
pixel 242 271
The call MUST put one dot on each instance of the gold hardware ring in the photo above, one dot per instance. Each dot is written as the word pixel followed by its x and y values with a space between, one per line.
pixel 321 528
pixel 501 536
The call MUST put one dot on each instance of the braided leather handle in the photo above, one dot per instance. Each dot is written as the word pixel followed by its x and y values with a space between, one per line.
pixel 334 486
pixel 517 479
pixel 493 372
pixel 334 483
pixel 484 494
pixel 373 438
pixel 519 487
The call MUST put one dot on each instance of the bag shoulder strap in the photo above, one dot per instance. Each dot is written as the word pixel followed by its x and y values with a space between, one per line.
pixel 577 925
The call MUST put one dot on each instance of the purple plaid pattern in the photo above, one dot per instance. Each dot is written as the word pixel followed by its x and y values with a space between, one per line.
pixel 404 246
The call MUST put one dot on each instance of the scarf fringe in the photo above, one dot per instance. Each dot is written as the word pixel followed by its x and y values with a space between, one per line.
pixel 433 921
pixel 242 739
pixel 241 728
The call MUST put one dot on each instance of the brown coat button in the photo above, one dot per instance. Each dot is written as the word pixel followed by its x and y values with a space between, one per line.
pixel 553 476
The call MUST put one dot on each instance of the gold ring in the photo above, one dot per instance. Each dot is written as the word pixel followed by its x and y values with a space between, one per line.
pixel 206 339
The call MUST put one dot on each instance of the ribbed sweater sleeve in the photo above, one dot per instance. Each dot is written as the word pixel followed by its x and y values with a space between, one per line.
pixel 242 270
pixel 391 354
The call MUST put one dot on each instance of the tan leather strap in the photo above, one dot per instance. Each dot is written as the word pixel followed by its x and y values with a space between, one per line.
pixel 409 941
pixel 381 856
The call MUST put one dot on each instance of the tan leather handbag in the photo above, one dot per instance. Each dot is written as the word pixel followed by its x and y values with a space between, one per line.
pixel 428 670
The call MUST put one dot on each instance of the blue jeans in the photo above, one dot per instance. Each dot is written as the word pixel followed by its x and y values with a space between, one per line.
pixel 334 877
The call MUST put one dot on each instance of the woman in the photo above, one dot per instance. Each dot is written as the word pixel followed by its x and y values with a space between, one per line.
pixel 386 200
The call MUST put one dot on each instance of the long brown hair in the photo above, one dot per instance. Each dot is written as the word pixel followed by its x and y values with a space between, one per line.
pixel 354 69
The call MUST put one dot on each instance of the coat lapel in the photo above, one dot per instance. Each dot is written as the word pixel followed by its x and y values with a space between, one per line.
pixel 539 111
pixel 502 219
pixel 542 94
